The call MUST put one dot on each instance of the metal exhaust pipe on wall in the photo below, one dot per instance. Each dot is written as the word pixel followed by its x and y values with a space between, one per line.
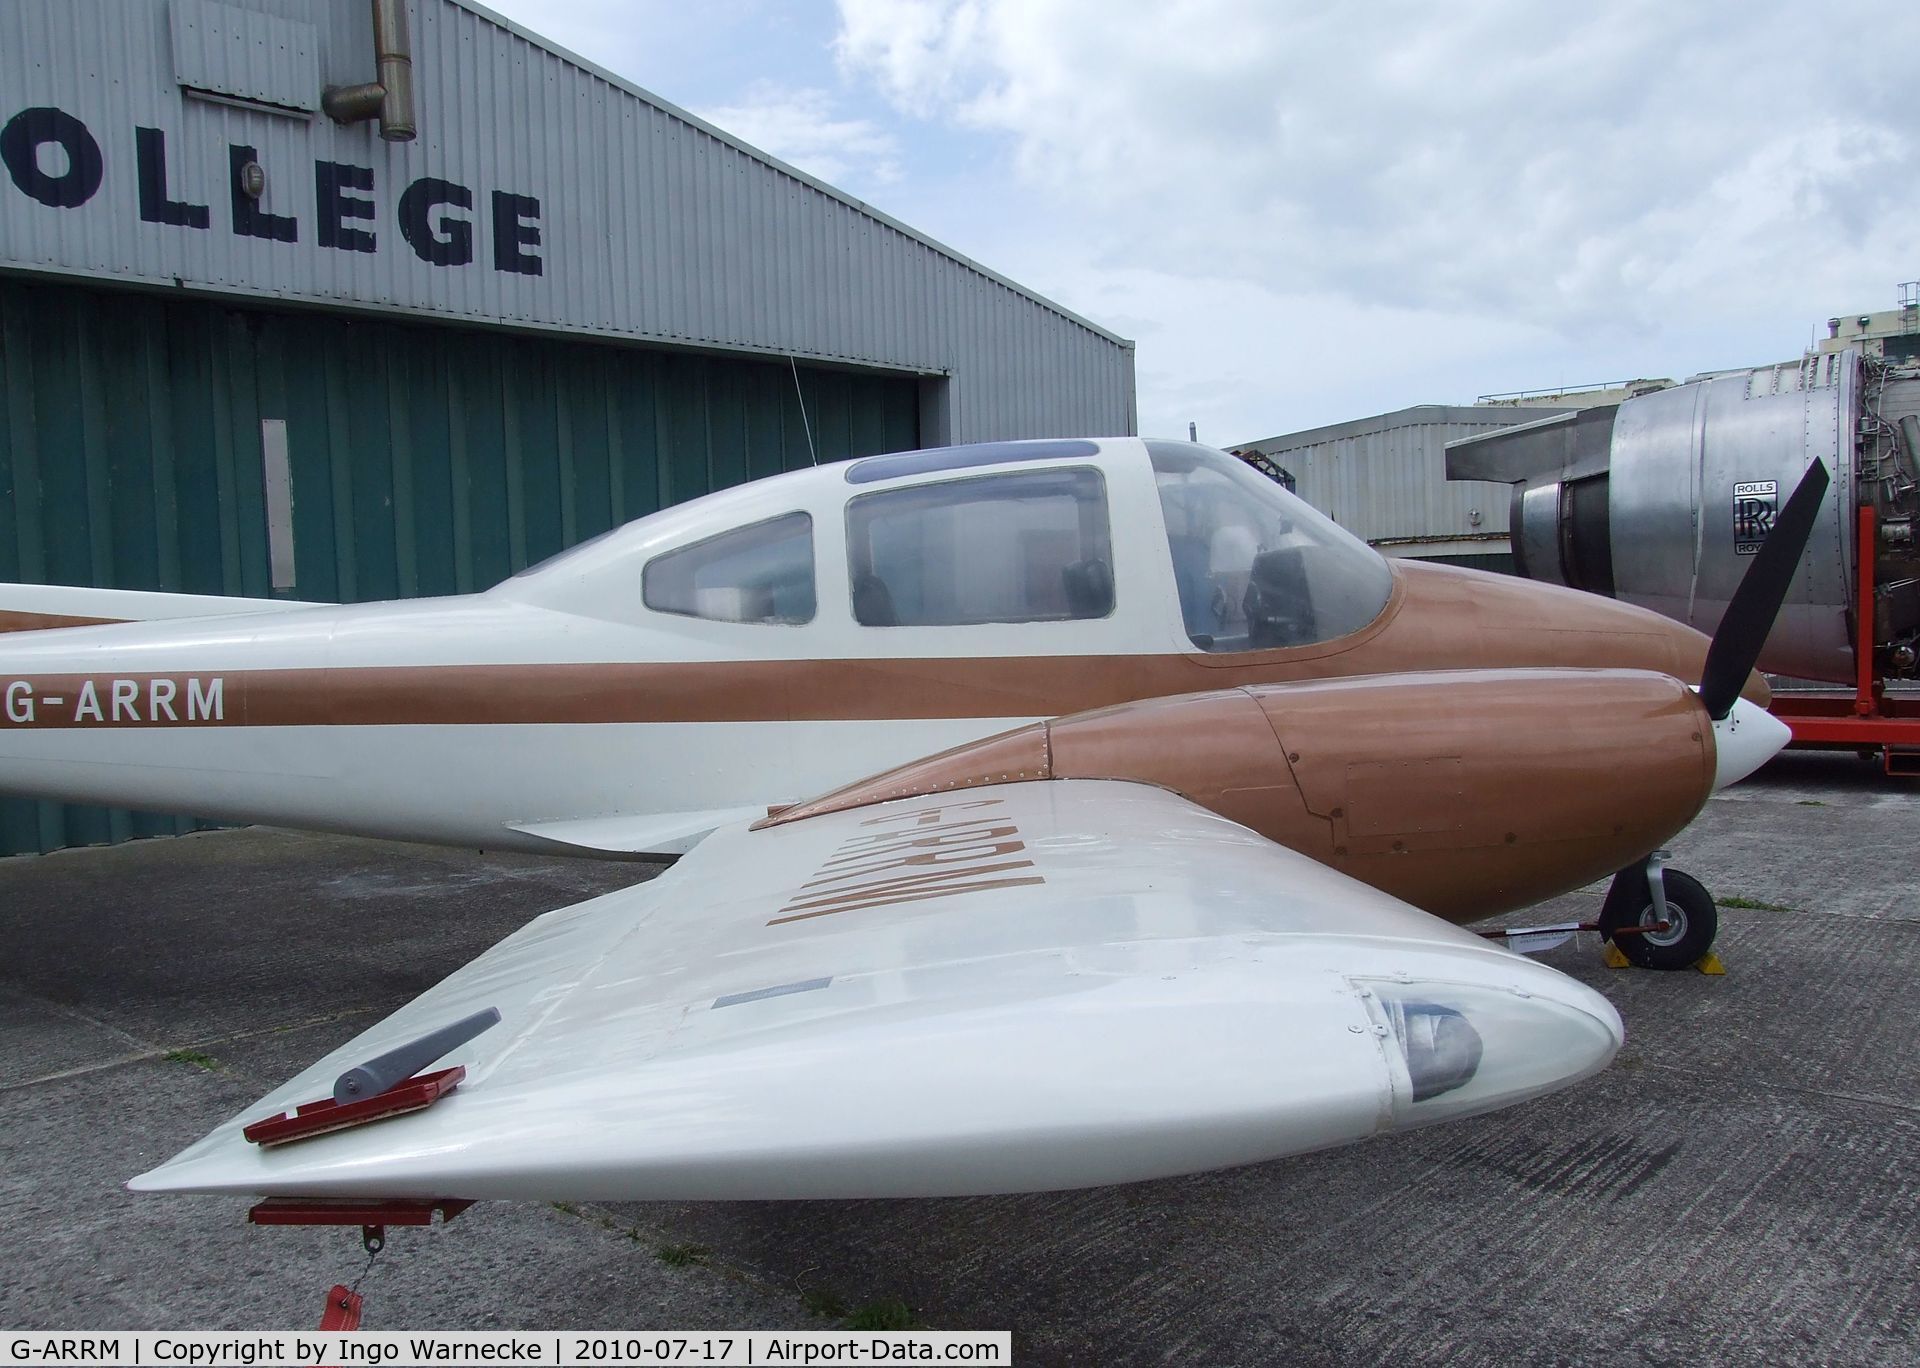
pixel 390 96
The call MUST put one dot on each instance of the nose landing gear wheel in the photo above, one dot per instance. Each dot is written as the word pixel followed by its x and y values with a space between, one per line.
pixel 1692 922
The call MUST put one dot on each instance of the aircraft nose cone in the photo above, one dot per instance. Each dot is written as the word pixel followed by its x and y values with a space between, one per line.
pixel 1743 741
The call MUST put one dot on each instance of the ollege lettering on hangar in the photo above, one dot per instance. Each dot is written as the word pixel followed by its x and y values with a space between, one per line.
pixel 361 299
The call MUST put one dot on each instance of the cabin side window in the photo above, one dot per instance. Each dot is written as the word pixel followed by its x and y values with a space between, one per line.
pixel 1029 546
pixel 762 573
pixel 1257 568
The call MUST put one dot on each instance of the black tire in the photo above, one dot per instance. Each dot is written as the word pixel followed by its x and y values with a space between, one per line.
pixel 1694 922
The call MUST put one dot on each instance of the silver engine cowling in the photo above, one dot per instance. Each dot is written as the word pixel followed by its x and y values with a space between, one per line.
pixel 1662 500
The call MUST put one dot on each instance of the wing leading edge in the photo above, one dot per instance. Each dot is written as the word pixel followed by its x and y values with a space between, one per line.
pixel 637 835
pixel 37 607
pixel 1019 987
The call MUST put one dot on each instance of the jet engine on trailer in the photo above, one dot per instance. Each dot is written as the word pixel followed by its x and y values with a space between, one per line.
pixel 1664 500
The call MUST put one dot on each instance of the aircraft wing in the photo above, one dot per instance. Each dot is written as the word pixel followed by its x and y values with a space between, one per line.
pixel 1016 987
pixel 660 833
pixel 38 607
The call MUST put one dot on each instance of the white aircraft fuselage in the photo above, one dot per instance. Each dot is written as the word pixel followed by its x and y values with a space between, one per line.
pixel 558 711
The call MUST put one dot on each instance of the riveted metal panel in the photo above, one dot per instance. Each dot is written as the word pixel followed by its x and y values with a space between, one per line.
pixel 226 50
pixel 422 459
pixel 652 225
pixel 1678 457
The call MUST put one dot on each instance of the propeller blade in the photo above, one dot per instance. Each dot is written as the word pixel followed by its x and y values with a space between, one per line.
pixel 1756 603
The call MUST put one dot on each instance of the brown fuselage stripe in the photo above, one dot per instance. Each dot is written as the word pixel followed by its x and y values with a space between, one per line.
pixel 728 691
pixel 45 622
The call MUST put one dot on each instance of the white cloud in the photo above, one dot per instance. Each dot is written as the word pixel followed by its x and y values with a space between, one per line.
pixel 802 127
pixel 1562 178
pixel 1309 210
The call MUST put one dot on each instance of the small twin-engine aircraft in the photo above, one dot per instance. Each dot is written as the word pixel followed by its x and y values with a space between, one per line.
pixel 1101 798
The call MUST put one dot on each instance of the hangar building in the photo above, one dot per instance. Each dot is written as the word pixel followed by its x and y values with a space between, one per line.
pixel 360 299
pixel 1384 479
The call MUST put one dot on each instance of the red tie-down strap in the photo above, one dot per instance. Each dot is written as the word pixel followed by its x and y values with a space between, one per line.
pixel 343 1309
pixel 373 1217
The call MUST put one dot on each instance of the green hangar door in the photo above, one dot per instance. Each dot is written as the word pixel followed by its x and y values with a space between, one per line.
pixel 148 442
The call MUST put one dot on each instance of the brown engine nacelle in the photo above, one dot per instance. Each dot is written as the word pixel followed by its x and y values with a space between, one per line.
pixel 1467 793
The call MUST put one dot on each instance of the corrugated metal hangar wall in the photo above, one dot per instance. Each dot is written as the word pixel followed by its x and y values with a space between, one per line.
pixel 1384 479
pixel 564 305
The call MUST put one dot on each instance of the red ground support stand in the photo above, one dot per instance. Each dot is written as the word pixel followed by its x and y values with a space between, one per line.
pixel 325 1116
pixel 1866 719
pixel 344 1304
pixel 373 1217
pixel 371 1214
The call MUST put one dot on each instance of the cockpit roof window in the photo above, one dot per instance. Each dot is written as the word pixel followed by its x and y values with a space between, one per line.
pixel 930 459
pixel 1256 567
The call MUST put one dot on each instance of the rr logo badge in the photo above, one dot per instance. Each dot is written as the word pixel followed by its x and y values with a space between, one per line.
pixel 1754 504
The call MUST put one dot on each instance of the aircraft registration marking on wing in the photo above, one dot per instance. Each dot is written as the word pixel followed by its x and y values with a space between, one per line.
pixel 922 853
pixel 109 700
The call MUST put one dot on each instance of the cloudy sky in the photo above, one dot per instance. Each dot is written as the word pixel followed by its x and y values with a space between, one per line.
pixel 1309 212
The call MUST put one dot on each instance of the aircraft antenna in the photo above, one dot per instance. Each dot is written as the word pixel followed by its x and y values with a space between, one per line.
pixel 800 394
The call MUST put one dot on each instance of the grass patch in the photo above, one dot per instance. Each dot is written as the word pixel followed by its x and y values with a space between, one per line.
pixel 198 1059
pixel 890 1313
pixel 682 1255
pixel 1810 802
pixel 1754 904
pixel 823 1304
pixel 595 1217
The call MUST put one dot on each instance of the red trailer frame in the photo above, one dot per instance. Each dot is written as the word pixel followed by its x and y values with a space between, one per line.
pixel 1867 718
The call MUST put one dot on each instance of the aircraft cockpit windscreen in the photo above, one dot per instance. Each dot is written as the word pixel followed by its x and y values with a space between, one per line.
pixel 1257 568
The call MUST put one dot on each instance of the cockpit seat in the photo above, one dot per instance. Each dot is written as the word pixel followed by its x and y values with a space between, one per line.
pixel 1278 602
pixel 873 602
pixel 1089 585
